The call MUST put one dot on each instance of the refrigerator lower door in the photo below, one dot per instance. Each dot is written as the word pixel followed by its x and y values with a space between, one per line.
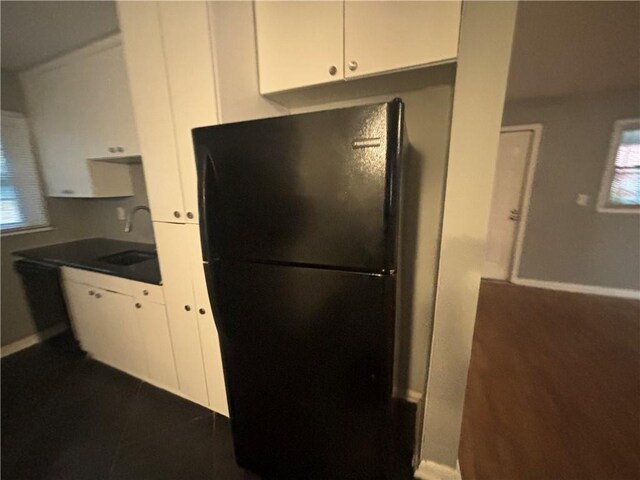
pixel 307 356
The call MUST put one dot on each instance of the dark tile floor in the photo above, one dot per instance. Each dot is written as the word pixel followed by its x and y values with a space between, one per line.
pixel 68 417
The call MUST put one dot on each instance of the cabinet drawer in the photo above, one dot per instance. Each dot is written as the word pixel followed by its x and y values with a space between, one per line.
pixel 100 280
pixel 147 292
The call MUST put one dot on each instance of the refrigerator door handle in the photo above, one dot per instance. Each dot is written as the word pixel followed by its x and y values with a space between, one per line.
pixel 206 179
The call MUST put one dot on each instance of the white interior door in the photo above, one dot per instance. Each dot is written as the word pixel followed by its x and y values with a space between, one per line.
pixel 508 184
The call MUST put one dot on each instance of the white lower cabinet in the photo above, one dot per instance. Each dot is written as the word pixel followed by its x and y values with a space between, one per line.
pixel 85 323
pixel 153 322
pixel 107 326
pixel 208 332
pixel 174 255
pixel 194 335
pixel 163 334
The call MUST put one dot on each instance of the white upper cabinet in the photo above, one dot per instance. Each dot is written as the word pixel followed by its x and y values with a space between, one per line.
pixel 170 61
pixel 299 44
pixel 145 60
pixel 393 35
pixel 189 60
pixel 80 109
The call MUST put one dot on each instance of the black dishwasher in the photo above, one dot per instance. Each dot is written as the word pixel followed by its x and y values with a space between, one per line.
pixel 44 294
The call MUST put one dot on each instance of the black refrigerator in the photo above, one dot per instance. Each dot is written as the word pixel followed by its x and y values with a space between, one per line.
pixel 299 225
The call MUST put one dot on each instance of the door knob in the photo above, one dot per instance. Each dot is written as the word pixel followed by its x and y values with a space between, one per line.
pixel 353 65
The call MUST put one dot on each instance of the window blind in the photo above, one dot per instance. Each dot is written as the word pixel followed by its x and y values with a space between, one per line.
pixel 22 203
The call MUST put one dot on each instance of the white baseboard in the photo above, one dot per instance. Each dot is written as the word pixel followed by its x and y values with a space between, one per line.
pixel 578 288
pixel 31 340
pixel 409 395
pixel 428 470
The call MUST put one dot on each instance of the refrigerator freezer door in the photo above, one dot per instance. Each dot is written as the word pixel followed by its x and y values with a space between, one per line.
pixel 310 189
pixel 307 356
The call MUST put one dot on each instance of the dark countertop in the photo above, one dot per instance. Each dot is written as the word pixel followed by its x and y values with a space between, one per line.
pixel 85 254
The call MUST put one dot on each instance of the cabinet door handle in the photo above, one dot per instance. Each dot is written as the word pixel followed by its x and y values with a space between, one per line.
pixel 98 295
pixel 187 308
pixel 119 149
pixel 138 305
pixel 176 214
pixel 91 292
pixel 189 215
pixel 145 292
pixel 353 65
pixel 202 311
pixel 333 70
pixel 112 149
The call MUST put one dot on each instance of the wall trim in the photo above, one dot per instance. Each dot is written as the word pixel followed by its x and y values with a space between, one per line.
pixel 428 470
pixel 34 339
pixel 111 40
pixel 578 288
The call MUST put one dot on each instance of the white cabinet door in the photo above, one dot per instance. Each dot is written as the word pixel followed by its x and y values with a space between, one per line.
pixel 130 337
pixel 80 108
pixel 80 302
pixel 157 343
pixel 110 131
pixel 189 60
pixel 299 44
pixel 149 80
pixel 208 332
pixel 393 35
pixel 121 342
pixel 56 120
pixel 174 255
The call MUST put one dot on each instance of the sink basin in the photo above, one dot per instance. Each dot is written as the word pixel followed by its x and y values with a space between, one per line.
pixel 128 257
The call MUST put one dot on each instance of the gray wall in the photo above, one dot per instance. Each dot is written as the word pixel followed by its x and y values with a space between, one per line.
pixel 565 242
pixel 71 219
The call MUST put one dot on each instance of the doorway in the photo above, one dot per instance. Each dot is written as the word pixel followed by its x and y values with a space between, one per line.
pixel 517 155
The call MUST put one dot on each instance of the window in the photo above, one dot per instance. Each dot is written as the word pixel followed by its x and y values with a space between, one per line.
pixel 21 201
pixel 620 190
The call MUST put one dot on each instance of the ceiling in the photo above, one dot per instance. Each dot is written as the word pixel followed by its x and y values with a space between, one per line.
pixel 33 32
pixel 563 48
pixel 559 48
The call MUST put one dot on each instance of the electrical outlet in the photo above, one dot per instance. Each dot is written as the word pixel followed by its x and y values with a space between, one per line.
pixel 583 199
pixel 120 212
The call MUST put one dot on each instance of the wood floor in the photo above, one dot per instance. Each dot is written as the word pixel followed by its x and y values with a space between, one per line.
pixel 554 387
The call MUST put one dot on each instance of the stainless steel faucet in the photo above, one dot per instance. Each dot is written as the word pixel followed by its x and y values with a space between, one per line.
pixel 129 223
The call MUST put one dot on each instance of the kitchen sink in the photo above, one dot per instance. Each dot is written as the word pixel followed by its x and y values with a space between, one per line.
pixel 128 257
